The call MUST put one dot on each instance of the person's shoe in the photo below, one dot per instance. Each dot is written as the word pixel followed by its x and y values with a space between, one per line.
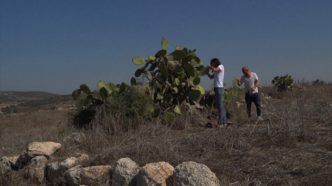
pixel 223 126
pixel 260 118
pixel 229 123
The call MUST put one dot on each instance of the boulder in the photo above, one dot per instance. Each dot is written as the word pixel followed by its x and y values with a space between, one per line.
pixel 96 175
pixel 42 148
pixel 124 172
pixel 154 174
pixel 73 161
pixel 193 174
pixel 72 176
pixel 55 171
pixel 5 165
pixel 36 168
pixel 13 159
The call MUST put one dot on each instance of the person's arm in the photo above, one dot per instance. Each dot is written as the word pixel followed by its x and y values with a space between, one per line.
pixel 210 75
pixel 256 82
pixel 215 69
pixel 239 81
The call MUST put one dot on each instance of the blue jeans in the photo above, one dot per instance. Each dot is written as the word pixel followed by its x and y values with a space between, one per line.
pixel 220 105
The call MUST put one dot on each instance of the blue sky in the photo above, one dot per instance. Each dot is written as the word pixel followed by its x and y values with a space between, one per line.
pixel 56 45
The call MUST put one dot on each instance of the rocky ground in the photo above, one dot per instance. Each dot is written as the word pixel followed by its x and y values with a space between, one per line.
pixel 38 168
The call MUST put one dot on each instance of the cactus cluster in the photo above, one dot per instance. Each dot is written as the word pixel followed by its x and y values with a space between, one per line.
pixel 172 83
pixel 99 96
pixel 173 78
pixel 283 83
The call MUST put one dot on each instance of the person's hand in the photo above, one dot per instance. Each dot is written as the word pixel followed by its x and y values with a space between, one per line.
pixel 237 81
pixel 253 89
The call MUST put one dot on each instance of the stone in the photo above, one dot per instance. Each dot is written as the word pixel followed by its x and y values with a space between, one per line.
pixel 72 176
pixel 36 168
pixel 13 159
pixel 5 165
pixel 73 161
pixel 42 148
pixel 154 174
pixel 96 175
pixel 54 173
pixel 193 174
pixel 237 183
pixel 55 170
pixel 124 172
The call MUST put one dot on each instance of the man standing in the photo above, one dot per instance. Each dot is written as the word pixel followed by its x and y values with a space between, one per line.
pixel 251 83
pixel 218 71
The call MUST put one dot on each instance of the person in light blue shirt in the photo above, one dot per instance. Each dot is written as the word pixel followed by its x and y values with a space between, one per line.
pixel 218 71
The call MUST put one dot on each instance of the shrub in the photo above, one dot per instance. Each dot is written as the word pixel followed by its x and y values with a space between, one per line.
pixel 9 109
pixel 128 101
pixel 283 83
pixel 318 82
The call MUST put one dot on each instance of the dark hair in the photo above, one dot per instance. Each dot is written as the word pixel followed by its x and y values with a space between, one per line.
pixel 215 62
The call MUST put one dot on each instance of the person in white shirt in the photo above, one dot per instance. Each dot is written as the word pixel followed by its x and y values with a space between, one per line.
pixel 251 83
pixel 218 71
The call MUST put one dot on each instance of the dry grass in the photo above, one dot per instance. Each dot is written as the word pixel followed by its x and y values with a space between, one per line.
pixel 291 147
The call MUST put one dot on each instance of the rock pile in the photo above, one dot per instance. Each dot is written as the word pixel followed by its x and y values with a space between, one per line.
pixel 38 167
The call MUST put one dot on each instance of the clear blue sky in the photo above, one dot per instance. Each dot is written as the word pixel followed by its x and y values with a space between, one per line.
pixel 55 45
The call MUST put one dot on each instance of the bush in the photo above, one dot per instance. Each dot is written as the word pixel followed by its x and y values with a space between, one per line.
pixel 318 82
pixel 9 109
pixel 128 102
pixel 283 83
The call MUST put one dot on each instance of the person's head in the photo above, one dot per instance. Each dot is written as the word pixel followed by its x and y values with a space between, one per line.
pixel 215 62
pixel 245 71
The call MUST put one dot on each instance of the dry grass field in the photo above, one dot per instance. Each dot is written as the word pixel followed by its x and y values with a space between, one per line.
pixel 292 146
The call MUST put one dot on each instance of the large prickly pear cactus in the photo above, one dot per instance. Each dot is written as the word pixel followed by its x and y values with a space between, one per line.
pixel 173 78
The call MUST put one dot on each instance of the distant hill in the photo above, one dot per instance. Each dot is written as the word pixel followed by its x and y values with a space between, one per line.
pixel 23 96
pixel 17 101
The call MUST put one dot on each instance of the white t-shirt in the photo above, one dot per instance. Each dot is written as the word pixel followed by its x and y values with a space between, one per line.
pixel 219 77
pixel 249 82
